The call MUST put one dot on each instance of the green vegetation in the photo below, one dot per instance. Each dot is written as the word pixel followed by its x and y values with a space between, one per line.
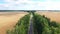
pixel 21 27
pixel 43 25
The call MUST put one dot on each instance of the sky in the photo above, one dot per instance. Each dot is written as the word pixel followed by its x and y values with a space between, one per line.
pixel 29 4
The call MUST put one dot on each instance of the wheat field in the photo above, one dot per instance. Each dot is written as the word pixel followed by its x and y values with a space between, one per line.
pixel 9 19
pixel 54 16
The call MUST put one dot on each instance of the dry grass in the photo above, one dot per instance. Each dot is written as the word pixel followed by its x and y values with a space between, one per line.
pixel 54 16
pixel 8 20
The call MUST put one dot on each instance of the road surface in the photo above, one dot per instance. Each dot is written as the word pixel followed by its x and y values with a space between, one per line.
pixel 30 31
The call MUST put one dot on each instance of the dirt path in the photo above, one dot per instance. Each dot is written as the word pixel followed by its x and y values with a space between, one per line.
pixel 30 31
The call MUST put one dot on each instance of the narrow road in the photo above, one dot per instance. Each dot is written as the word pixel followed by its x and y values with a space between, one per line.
pixel 30 31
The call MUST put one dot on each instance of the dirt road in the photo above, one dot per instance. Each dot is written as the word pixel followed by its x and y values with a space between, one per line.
pixel 30 31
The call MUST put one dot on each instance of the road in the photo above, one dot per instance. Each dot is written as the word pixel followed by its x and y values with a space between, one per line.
pixel 30 31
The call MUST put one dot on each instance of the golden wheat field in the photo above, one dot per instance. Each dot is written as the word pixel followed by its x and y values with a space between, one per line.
pixel 9 19
pixel 54 16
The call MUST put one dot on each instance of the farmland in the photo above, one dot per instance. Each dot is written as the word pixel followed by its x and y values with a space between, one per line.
pixel 9 19
pixel 23 23
pixel 54 16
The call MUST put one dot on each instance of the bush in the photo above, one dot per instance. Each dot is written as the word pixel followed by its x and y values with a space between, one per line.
pixel 22 26
pixel 43 25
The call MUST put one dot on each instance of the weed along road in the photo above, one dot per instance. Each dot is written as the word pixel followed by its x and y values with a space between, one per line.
pixel 30 31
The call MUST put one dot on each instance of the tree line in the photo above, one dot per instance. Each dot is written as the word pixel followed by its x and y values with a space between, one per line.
pixel 43 25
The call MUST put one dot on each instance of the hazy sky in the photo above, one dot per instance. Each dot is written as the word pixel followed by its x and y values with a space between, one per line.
pixel 29 4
